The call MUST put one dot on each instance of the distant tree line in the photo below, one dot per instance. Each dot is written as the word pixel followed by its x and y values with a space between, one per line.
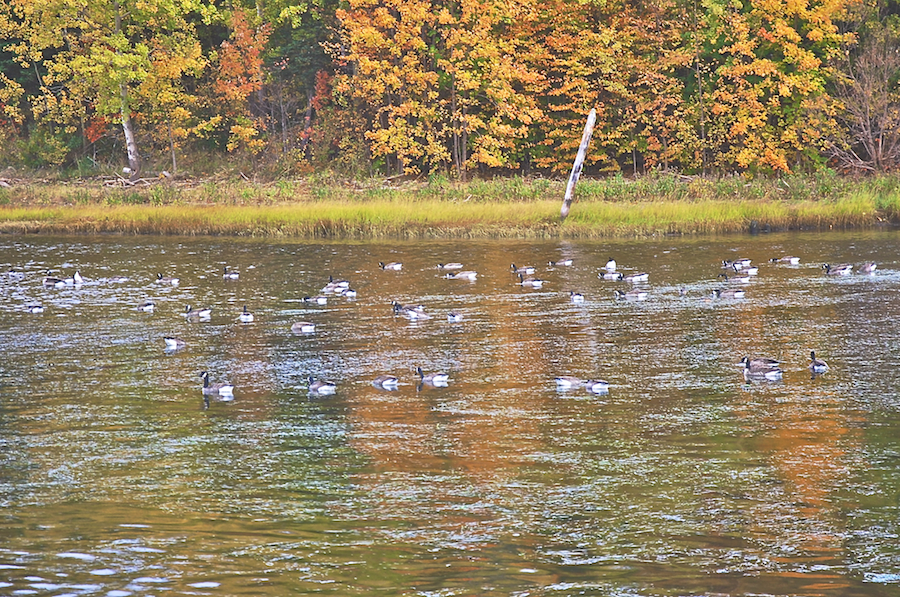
pixel 452 87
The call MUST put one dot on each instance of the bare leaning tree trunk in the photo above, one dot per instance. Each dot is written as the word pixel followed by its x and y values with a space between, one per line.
pixel 579 162
pixel 134 157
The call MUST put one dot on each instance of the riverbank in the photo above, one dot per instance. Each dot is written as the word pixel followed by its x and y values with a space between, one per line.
pixel 502 208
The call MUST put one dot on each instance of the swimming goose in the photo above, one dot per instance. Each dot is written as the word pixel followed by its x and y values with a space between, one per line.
pixel 219 389
pixel 559 263
pixel 454 317
pixel 597 386
pixel 387 382
pixel 524 270
pixel 167 280
pixel 77 280
pixel 610 265
pixel 434 379
pixel 412 313
pixel 739 279
pixel 347 292
pixel 567 382
pixel 303 327
pixel 245 316
pixel 786 259
pixel 868 267
pixel 173 343
pixel 35 308
pixel 230 275
pixel 451 265
pixel 393 265
pixel 146 307
pixel 761 368
pixel 817 365
pixel 319 299
pixel 463 275
pixel 750 270
pixel 576 297
pixel 838 270
pixel 638 277
pixel 728 293
pixel 197 313
pixel 632 295
pixel 335 285
pixel 611 275
pixel 736 263
pixel 530 282
pixel 321 387
pixel 397 306
pixel 54 282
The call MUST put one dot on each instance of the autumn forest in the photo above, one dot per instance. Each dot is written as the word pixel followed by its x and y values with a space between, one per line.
pixel 453 87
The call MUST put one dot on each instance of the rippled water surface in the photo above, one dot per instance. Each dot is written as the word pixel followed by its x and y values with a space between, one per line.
pixel 117 478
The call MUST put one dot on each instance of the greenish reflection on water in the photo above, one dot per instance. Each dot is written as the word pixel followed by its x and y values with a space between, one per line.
pixel 116 478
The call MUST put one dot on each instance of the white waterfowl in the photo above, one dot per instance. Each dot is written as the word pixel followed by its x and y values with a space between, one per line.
pixel 320 386
pixel 230 275
pixel 173 343
pixel 167 280
pixel 303 327
pixel 222 390
pixel 245 316
pixel 434 379
pixel 393 265
pixel 817 365
pixel 146 307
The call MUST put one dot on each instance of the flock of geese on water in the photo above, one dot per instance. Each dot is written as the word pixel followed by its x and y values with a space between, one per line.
pixel 738 270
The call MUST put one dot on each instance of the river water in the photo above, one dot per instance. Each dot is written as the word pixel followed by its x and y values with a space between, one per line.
pixel 117 477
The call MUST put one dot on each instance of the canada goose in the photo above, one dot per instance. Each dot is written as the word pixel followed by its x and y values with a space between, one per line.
pixel 838 270
pixel 611 275
pixel 576 297
pixel 560 263
pixel 761 369
pixel 736 263
pixel 167 280
pixel 786 259
pixel 631 295
pixel 35 308
pixel 454 317
pixel 146 307
pixel 77 280
pixel 817 365
pixel 245 316
pixel 173 343
pixel 53 282
pixel 335 285
pixel 319 299
pixel 348 292
pixel 230 275
pixel 413 313
pixel 303 327
pixel 750 270
pixel 432 378
pixel 868 267
pixel 387 382
pixel 610 265
pixel 530 282
pixel 597 386
pixel 393 265
pixel 567 382
pixel 638 277
pixel 738 279
pixel 219 389
pixel 321 387
pixel 191 313
pixel 728 293
pixel 397 306
pixel 451 265
pixel 524 270
pixel 463 275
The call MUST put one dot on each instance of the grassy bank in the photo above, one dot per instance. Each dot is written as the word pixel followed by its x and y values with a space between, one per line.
pixel 516 207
